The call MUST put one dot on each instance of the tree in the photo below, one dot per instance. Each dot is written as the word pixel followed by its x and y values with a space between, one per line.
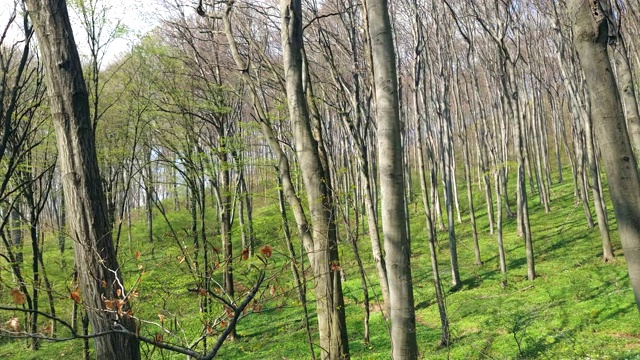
pixel 591 35
pixel 394 217
pixel 85 200
pixel 315 173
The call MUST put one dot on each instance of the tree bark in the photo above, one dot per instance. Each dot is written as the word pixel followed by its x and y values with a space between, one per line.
pixel 394 217
pixel 591 37
pixel 85 200
pixel 324 252
pixel 627 92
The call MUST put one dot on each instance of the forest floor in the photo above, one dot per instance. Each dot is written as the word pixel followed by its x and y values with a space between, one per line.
pixel 577 308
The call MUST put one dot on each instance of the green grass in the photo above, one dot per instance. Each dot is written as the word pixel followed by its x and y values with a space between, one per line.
pixel 578 307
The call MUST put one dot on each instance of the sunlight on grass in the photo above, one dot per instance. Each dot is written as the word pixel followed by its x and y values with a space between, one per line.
pixel 579 307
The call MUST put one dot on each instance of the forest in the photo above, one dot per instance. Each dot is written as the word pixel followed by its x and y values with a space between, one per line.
pixel 366 179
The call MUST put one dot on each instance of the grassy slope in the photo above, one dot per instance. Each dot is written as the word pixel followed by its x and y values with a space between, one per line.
pixel 577 308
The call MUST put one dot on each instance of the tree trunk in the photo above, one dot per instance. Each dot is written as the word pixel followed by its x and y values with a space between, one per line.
pixel 394 217
pixel 297 278
pixel 444 320
pixel 627 92
pixel 85 200
pixel 149 193
pixel 224 210
pixel 323 252
pixel 607 248
pixel 591 37
pixel 61 224
pixel 16 234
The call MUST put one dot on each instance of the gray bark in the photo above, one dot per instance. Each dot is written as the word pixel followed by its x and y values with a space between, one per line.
pixel 323 251
pixel 85 200
pixel 627 92
pixel 591 37
pixel 394 217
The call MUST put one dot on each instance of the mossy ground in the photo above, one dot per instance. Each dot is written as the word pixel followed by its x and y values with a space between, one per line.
pixel 577 308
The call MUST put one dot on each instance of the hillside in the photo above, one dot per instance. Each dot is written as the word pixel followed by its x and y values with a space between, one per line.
pixel 578 307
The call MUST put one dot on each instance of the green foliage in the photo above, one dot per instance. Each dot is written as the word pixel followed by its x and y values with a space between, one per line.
pixel 578 308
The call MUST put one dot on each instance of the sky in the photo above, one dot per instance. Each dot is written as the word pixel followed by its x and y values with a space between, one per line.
pixel 139 17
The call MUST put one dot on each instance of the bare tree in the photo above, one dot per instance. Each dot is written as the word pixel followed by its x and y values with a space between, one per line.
pixel 591 35
pixel 394 217
pixel 85 201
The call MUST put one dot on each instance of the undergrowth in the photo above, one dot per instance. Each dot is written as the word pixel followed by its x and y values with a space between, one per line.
pixel 577 308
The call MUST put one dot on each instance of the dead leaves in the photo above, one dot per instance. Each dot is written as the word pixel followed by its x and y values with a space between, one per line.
pixel 75 296
pixel 118 306
pixel 13 325
pixel 266 251
pixel 18 297
pixel 158 338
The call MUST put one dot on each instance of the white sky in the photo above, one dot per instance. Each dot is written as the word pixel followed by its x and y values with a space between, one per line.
pixel 139 16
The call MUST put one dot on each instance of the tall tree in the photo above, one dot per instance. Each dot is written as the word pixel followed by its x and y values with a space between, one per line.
pixel 591 35
pixel 394 217
pixel 317 181
pixel 85 200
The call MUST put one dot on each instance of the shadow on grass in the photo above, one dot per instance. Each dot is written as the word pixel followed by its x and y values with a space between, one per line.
pixel 425 304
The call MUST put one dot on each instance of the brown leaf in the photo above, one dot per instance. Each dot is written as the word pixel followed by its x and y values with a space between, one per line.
pixel 335 266
pixel 137 254
pixel 109 304
pixel 18 297
pixel 75 296
pixel 266 251
pixel 158 337
pixel 46 329
pixel 119 303
pixel 245 254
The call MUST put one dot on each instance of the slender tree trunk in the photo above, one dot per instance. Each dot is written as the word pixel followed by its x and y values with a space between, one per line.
pixel 467 170
pixel 607 248
pixel 627 92
pixel 224 210
pixel 302 296
pixel 515 112
pixel 394 217
pixel 61 224
pixel 501 254
pixel 433 251
pixel 49 289
pixel 324 253
pixel 16 234
pixel 149 192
